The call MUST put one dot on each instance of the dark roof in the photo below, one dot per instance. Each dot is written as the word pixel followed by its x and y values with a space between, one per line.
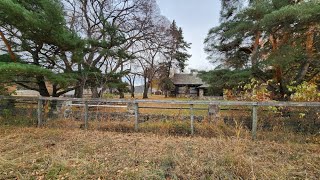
pixel 187 79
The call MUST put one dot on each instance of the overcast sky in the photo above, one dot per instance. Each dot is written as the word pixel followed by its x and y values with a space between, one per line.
pixel 195 17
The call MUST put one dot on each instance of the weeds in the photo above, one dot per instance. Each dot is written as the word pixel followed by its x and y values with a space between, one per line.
pixel 33 153
pixel 10 120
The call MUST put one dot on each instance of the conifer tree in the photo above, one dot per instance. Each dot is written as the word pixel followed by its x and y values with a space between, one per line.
pixel 177 48
pixel 277 39
pixel 177 55
pixel 37 29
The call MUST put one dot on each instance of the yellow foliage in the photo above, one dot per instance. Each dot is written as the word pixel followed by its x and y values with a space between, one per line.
pixel 306 92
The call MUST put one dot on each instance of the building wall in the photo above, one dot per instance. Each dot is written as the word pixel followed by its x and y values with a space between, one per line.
pixel 186 91
pixel 201 93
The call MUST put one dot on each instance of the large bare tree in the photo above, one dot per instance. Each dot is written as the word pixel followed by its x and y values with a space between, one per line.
pixel 114 28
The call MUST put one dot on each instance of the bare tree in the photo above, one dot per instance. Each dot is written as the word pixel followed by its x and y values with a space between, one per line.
pixel 152 56
pixel 113 29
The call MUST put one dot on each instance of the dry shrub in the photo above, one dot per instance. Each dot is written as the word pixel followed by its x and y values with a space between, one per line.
pixel 176 128
pixel 294 119
pixel 234 166
pixel 213 129
pixel 63 123
pixel 270 128
pixel 114 126
pixel 167 127
pixel 285 136
pixel 183 128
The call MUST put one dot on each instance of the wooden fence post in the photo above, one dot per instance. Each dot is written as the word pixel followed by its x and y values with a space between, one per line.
pixel 86 115
pixel 136 115
pixel 39 112
pixel 254 121
pixel 191 119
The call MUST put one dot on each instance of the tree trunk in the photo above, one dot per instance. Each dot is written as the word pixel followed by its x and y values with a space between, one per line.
pixel 310 53
pixel 43 91
pixel 94 92
pixel 12 56
pixel 121 93
pixel 132 91
pixel 303 71
pixel 53 103
pixel 145 90
pixel 101 92
pixel 282 95
pixel 166 93
pixel 132 88
pixel 254 57
pixel 151 88
pixel 78 92
pixel 53 108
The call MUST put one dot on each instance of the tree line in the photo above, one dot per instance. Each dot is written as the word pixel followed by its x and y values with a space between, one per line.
pixel 58 46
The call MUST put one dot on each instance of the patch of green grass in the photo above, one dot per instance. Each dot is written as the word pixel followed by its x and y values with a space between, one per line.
pixel 55 170
pixel 17 121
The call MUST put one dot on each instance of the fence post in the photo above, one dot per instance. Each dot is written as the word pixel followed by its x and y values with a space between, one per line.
pixel 192 119
pixel 254 121
pixel 136 115
pixel 86 115
pixel 39 112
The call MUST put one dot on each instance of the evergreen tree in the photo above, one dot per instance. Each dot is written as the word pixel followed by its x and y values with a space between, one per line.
pixel 177 48
pixel 221 79
pixel 277 39
pixel 38 30
pixel 176 53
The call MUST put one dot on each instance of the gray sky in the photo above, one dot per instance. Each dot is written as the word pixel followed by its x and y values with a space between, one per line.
pixel 195 17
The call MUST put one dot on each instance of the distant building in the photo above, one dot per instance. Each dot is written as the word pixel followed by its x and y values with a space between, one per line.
pixel 189 85
pixel 140 89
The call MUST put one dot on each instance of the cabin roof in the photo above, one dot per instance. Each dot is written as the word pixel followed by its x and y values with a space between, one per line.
pixel 187 79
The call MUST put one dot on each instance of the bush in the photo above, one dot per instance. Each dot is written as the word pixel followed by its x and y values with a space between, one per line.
pixel 109 96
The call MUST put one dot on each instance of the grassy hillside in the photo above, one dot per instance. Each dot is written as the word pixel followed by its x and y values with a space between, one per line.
pixel 30 153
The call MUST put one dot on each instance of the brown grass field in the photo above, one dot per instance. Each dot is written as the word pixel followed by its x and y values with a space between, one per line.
pixel 56 153
pixel 162 149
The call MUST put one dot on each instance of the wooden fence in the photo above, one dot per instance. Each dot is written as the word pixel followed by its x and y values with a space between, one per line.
pixel 86 103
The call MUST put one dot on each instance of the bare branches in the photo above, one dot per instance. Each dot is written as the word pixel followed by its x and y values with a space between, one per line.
pixel 111 36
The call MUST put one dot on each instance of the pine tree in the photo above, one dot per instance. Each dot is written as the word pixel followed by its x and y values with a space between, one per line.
pixel 277 39
pixel 177 54
pixel 38 28
pixel 177 48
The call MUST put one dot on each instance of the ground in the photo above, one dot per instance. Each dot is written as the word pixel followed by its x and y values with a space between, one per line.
pixel 51 153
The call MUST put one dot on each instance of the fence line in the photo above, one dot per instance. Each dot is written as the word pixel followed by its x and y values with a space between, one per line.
pixel 86 104
pixel 213 102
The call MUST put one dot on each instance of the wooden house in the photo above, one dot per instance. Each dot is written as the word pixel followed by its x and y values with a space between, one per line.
pixel 189 85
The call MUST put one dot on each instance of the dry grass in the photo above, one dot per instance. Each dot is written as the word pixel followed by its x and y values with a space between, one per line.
pixel 175 127
pixel 157 97
pixel 30 153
